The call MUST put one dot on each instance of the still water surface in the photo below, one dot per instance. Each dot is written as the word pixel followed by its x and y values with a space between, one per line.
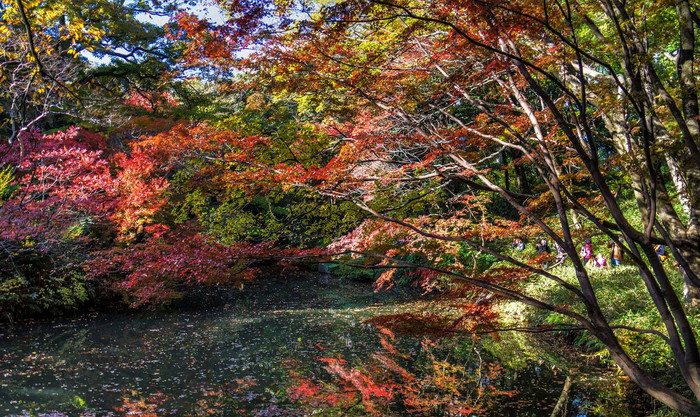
pixel 178 361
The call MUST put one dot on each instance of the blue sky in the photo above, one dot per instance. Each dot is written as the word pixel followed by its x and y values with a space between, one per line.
pixel 209 10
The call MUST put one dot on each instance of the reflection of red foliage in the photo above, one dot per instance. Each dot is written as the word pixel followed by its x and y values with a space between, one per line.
pixel 415 324
pixel 392 382
pixel 310 393
pixel 303 389
pixel 136 405
pixel 467 318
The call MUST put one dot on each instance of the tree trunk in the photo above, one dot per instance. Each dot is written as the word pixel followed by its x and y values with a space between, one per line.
pixel 648 384
pixel 682 236
pixel 506 176
pixel 520 175
pixel 679 182
pixel 560 407
pixel 691 292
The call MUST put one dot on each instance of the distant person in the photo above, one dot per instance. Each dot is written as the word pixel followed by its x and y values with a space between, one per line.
pixel 543 246
pixel 586 252
pixel 661 252
pixel 561 253
pixel 616 254
pixel 518 245
pixel 600 261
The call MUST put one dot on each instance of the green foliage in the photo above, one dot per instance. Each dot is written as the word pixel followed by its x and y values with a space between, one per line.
pixel 79 228
pixel 205 101
pixel 6 187
pixel 31 292
pixel 620 293
pixel 500 208
pixel 78 403
pixel 353 273
pixel 467 256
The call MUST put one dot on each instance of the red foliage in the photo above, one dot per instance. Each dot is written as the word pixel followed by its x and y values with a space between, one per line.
pixel 150 101
pixel 141 190
pixel 60 181
pixel 65 183
pixel 161 268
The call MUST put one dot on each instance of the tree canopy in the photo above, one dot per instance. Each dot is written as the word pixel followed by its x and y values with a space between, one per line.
pixel 411 137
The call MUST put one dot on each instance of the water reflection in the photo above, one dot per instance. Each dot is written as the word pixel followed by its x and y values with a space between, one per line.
pixel 175 362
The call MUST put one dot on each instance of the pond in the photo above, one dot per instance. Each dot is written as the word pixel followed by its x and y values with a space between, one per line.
pixel 176 363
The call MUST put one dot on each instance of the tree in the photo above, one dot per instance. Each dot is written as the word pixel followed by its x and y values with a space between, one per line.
pixel 45 72
pixel 427 95
pixel 55 195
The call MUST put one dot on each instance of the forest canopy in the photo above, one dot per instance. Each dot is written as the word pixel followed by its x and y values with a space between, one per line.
pixel 417 142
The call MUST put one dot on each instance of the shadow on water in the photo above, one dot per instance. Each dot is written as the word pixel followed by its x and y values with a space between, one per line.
pixel 178 360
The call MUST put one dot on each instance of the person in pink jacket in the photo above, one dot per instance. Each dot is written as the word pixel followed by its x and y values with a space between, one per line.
pixel 600 261
pixel 586 252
